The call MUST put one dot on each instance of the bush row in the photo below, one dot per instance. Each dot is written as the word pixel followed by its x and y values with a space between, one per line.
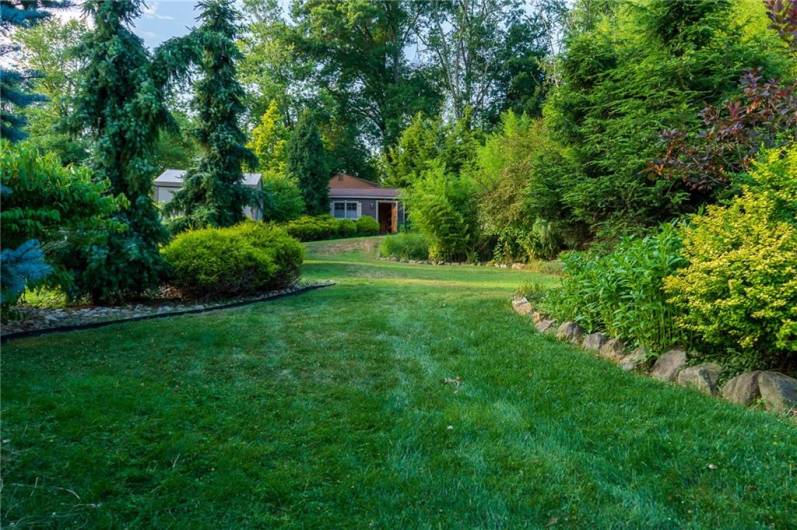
pixel 724 283
pixel 315 228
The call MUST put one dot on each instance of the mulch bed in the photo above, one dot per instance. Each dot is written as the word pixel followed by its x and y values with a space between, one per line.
pixel 31 321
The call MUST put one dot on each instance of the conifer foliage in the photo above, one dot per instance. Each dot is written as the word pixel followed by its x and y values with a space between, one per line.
pixel 120 104
pixel 308 162
pixel 21 14
pixel 214 193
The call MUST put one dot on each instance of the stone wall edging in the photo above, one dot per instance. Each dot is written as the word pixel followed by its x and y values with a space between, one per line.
pixel 777 391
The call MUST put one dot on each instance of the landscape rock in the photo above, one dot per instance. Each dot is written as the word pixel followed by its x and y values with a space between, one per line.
pixel 569 331
pixel 545 325
pixel 521 306
pixel 634 360
pixel 614 349
pixel 778 391
pixel 668 365
pixel 594 341
pixel 703 377
pixel 742 389
pixel 518 266
pixel 536 316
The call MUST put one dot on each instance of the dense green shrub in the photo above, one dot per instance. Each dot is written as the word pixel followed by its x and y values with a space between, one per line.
pixel 635 70
pixel 64 209
pixel 280 198
pixel 319 227
pixel 520 171
pixel 346 228
pixel 444 208
pixel 243 259
pixel 287 252
pixel 738 293
pixel 406 245
pixel 313 228
pixel 367 226
pixel 621 292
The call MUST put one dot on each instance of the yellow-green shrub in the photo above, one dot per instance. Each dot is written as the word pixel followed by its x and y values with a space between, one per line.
pixel 242 259
pixel 739 291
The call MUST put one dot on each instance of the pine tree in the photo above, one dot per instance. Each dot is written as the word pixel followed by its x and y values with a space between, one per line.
pixel 213 191
pixel 308 163
pixel 120 106
pixel 13 93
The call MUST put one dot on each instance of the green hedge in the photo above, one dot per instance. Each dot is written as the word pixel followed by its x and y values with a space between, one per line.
pixel 244 259
pixel 315 228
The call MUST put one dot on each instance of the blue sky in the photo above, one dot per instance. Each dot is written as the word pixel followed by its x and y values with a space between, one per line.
pixel 163 19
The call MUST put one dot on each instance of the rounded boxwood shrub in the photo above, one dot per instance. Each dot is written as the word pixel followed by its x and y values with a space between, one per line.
pixel 367 226
pixel 244 259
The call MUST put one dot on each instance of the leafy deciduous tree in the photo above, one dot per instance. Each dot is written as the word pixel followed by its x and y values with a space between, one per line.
pixel 48 49
pixel 14 83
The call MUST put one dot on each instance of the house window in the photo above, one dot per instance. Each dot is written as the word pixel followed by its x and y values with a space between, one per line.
pixel 346 209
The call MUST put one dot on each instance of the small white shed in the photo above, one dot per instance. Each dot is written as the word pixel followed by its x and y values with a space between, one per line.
pixel 171 180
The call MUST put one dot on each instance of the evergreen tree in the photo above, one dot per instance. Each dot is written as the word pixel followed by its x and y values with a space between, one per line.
pixel 213 191
pixel 636 71
pixel 308 163
pixel 25 263
pixel 120 105
pixel 13 93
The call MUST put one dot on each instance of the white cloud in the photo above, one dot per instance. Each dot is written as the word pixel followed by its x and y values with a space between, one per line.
pixel 151 11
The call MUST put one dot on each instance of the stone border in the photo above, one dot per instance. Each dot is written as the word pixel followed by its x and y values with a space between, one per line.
pixel 190 310
pixel 776 391
pixel 513 266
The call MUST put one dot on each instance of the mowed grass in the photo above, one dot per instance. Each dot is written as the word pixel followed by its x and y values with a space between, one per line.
pixel 406 396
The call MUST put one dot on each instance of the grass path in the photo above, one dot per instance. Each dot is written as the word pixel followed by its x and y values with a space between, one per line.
pixel 406 396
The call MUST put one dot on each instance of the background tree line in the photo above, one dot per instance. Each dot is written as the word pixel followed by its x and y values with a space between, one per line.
pixel 516 129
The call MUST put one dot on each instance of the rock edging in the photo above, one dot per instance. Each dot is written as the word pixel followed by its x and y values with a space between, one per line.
pixel 153 312
pixel 777 392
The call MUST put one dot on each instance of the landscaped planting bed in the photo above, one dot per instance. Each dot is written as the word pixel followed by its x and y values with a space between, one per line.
pixel 29 320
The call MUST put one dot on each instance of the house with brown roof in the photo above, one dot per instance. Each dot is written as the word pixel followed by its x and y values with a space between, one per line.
pixel 351 197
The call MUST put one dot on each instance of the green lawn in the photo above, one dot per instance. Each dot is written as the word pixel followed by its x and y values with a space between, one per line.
pixel 330 409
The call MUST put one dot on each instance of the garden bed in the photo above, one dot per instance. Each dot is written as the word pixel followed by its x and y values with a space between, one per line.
pixel 33 320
